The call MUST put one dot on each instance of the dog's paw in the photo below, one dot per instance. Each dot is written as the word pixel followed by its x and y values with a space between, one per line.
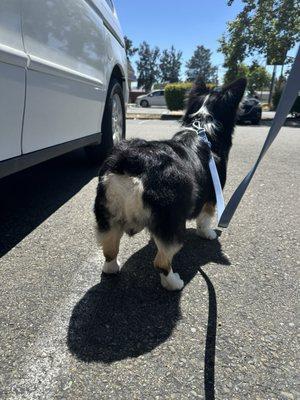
pixel 207 233
pixel 111 267
pixel 171 281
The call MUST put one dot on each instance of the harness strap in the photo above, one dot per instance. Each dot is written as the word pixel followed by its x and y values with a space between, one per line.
pixel 213 170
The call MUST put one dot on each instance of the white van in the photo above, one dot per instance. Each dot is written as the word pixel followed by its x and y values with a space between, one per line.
pixel 63 80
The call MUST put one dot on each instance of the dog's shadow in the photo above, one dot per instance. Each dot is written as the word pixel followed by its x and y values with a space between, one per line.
pixel 130 314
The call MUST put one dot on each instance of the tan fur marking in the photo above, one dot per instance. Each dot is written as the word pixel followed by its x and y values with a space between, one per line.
pixel 110 242
pixel 162 263
pixel 209 208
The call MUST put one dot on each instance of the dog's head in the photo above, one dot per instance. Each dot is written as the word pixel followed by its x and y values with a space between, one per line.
pixel 216 109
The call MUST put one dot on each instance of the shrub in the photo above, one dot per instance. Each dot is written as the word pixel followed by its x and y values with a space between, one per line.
pixel 175 94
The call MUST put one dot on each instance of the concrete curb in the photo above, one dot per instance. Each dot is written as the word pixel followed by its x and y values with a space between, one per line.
pixel 165 117
pixel 143 116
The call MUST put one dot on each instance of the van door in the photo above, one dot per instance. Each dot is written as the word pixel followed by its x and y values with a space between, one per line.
pixel 13 62
pixel 66 85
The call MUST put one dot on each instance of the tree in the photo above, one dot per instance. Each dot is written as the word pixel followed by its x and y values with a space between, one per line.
pixel 270 27
pixel 147 66
pixel 130 52
pixel 170 65
pixel 258 77
pixel 200 64
pixel 129 48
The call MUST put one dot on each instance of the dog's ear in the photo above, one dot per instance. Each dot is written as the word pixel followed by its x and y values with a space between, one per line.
pixel 193 100
pixel 199 88
pixel 234 92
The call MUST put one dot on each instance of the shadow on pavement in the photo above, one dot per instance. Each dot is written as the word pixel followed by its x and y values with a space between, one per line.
pixel 29 197
pixel 130 314
pixel 210 344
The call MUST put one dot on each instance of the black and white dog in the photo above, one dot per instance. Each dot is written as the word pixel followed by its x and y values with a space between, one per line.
pixel 159 185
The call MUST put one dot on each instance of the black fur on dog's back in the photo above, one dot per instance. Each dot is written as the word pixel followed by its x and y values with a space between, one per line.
pixel 174 173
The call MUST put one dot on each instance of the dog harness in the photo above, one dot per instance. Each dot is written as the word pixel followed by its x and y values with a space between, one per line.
pixel 289 95
pixel 213 169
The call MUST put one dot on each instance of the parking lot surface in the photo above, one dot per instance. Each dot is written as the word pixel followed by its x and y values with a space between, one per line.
pixel 69 333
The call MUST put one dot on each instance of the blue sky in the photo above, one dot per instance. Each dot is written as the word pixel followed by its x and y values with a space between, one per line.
pixel 185 24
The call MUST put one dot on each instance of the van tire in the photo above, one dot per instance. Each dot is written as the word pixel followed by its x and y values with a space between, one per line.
pixel 97 153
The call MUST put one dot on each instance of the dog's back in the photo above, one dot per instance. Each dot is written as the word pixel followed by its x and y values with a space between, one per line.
pixel 159 185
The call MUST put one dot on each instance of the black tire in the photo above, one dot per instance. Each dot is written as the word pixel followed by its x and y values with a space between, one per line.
pixel 144 103
pixel 97 153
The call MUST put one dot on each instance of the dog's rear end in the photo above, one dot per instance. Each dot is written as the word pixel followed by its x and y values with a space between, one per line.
pixel 159 185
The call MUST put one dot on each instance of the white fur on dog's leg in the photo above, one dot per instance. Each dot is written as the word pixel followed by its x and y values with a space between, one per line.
pixel 171 281
pixel 204 229
pixel 207 233
pixel 111 267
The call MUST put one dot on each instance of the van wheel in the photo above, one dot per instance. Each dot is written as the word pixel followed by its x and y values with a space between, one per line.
pixel 144 103
pixel 113 124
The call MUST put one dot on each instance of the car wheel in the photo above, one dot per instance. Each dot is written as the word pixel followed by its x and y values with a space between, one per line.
pixel 144 103
pixel 113 124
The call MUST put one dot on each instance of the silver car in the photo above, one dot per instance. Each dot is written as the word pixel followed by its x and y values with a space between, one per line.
pixel 154 98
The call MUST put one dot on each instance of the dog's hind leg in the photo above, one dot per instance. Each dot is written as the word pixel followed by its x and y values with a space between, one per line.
pixel 163 262
pixel 110 242
pixel 204 221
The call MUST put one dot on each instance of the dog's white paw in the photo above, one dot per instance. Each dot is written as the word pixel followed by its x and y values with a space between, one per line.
pixel 207 233
pixel 111 267
pixel 171 281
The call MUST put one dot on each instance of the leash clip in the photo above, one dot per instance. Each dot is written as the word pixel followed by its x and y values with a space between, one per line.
pixel 201 132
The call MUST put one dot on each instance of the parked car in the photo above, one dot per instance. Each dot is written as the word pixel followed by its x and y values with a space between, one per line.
pixel 154 98
pixel 63 80
pixel 250 110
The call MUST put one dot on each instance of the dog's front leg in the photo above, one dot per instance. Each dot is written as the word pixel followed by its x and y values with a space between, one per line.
pixel 204 221
pixel 163 263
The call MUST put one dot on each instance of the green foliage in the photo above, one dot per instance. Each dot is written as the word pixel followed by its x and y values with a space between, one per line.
pixel 241 71
pixel 147 66
pixel 129 48
pixel 270 27
pixel 159 85
pixel 170 64
pixel 175 94
pixel 200 64
pixel 258 77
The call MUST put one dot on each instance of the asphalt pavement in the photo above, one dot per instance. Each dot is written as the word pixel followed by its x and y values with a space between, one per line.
pixel 69 333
